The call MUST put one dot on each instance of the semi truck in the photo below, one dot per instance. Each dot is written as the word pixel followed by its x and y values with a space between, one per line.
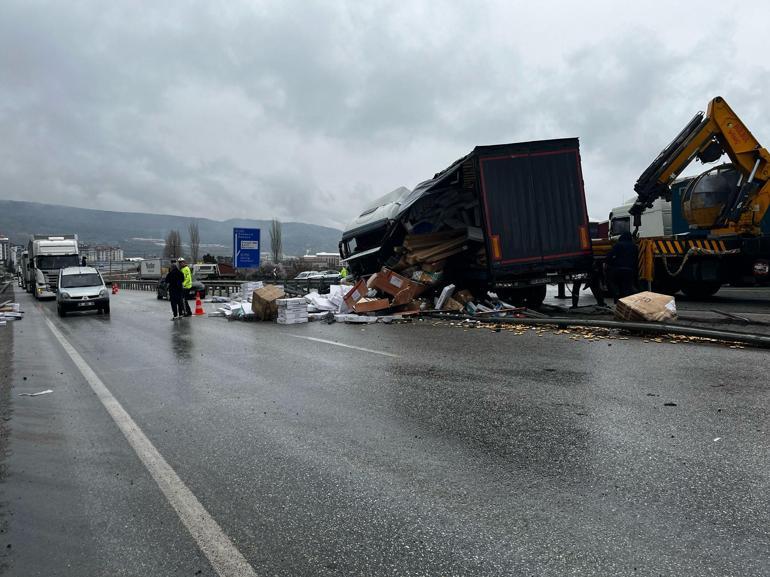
pixel 46 256
pixel 516 210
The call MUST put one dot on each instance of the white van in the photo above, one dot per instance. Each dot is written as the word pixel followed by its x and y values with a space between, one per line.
pixel 82 288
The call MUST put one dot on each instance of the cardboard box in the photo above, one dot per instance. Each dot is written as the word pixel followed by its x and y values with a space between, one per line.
pixel 400 288
pixel 646 306
pixel 366 305
pixel 263 303
pixel 355 294
pixel 464 296
pixel 452 305
pixel 292 304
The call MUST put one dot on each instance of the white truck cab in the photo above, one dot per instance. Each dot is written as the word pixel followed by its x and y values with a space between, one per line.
pixel 656 221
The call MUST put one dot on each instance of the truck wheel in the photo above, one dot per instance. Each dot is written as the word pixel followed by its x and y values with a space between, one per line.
pixel 61 311
pixel 702 289
pixel 106 309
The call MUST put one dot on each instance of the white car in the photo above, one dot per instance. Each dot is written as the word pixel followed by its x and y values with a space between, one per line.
pixel 326 275
pixel 82 288
pixel 305 274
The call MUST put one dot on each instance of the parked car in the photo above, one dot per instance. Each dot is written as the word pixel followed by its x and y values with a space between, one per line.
pixel 81 288
pixel 326 275
pixel 197 287
pixel 305 274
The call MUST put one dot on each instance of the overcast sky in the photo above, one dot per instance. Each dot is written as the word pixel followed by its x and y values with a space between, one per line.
pixel 307 111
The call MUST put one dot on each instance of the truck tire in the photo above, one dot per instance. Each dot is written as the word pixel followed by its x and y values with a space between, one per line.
pixel 701 289
pixel 106 309
pixel 61 311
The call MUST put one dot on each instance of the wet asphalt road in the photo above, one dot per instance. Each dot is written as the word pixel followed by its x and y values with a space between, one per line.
pixel 467 452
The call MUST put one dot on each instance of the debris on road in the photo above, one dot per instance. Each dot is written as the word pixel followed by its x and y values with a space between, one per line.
pixel 292 311
pixel 646 306
pixel 10 311
pixel 36 394
pixel 263 302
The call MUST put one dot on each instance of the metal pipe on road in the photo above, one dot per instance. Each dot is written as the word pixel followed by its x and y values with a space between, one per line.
pixel 657 328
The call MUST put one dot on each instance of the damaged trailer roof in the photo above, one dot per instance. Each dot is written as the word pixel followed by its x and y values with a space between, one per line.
pixel 392 205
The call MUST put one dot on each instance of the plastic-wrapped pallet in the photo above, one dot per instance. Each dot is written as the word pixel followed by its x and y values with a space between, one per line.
pixel 292 311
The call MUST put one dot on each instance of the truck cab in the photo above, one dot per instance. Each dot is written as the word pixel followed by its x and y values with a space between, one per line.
pixel 656 221
pixel 205 271
pixel 47 256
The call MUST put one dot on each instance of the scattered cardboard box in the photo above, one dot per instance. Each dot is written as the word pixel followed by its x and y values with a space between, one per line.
pixel 451 304
pixel 399 287
pixel 366 305
pixel 263 302
pixel 646 306
pixel 355 294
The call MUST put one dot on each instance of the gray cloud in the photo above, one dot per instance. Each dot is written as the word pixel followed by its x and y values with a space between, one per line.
pixel 308 110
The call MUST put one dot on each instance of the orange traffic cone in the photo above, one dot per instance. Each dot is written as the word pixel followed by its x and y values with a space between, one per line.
pixel 198 304
pixel 114 288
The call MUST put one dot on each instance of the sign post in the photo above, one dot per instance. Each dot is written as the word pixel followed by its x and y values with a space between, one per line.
pixel 246 247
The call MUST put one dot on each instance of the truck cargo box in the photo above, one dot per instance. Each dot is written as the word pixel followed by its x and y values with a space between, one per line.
pixel 511 214
pixel 534 207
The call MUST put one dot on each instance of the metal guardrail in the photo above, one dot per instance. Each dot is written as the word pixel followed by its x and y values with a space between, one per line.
pixel 229 288
pixel 137 285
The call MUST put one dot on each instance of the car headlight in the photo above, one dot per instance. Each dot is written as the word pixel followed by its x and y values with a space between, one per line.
pixel 65 295
pixel 103 293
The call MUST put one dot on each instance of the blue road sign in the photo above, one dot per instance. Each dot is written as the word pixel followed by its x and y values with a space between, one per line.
pixel 246 247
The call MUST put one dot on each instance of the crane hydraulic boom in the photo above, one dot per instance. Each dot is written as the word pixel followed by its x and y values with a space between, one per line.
pixel 706 137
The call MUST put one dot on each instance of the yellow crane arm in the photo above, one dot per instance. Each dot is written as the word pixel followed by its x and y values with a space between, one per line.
pixel 706 137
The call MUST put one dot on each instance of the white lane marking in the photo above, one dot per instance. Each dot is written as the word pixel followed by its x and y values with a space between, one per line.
pixel 224 557
pixel 346 346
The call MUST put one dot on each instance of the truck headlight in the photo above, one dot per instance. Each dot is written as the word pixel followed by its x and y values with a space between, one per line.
pixel 103 293
pixel 65 295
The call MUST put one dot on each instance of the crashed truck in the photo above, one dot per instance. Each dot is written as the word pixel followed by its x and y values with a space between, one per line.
pixel 507 218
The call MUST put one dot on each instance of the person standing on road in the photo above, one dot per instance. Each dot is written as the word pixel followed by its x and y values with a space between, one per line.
pixel 174 280
pixel 186 285
pixel 594 283
pixel 343 272
pixel 622 264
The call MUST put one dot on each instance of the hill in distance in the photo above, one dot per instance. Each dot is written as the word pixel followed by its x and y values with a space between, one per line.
pixel 142 234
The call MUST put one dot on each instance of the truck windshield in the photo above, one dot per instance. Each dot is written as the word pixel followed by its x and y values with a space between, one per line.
pixel 53 262
pixel 80 280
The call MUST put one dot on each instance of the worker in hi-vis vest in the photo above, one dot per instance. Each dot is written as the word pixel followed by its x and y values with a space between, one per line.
pixel 186 285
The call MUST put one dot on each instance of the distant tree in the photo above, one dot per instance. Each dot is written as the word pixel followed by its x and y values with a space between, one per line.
pixel 173 248
pixel 209 259
pixel 195 240
pixel 276 241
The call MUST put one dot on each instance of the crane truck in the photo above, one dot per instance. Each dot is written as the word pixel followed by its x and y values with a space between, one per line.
pixel 724 208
